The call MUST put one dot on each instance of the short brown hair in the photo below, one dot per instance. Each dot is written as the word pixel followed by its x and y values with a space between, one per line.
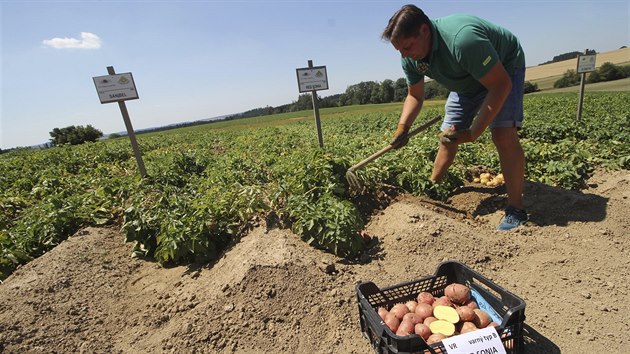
pixel 405 23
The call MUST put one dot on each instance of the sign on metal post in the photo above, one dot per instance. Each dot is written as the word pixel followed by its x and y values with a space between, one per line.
pixel 119 88
pixel 585 64
pixel 312 79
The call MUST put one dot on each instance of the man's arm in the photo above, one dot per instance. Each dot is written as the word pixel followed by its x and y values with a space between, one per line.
pixel 411 108
pixel 499 85
pixel 413 104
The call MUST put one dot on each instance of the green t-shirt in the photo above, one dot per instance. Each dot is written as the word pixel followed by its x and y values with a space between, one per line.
pixel 464 49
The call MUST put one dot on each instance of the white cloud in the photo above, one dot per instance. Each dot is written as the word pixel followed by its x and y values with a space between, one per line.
pixel 88 41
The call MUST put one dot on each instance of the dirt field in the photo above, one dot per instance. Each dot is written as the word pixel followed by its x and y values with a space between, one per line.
pixel 271 293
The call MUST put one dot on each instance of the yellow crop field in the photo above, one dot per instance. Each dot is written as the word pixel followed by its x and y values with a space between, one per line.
pixel 554 69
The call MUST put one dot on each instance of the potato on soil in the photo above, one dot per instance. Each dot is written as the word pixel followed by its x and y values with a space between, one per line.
pixel 422 330
pixel 426 297
pixel 442 327
pixel 446 313
pixel 457 293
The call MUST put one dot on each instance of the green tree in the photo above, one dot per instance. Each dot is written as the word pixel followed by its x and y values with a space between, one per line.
pixel 400 90
pixel 609 71
pixel 360 93
pixel 376 94
pixel 569 78
pixel 530 87
pixel 387 91
pixel 433 89
pixel 593 77
pixel 304 102
pixel 74 135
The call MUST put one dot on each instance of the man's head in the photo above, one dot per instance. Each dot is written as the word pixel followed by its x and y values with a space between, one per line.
pixel 409 31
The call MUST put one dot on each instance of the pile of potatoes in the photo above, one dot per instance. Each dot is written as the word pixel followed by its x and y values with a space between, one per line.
pixel 435 319
pixel 487 179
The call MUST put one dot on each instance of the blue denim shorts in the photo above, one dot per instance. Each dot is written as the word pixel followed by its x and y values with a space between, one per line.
pixel 461 110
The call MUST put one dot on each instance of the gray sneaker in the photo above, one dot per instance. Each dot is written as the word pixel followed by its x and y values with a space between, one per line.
pixel 514 217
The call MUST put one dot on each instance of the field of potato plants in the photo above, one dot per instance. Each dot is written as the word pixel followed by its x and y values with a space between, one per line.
pixel 207 184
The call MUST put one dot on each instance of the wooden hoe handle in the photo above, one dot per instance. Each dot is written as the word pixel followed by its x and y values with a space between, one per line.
pixel 390 147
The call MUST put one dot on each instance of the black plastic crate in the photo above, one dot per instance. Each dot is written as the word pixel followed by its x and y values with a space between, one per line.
pixel 509 307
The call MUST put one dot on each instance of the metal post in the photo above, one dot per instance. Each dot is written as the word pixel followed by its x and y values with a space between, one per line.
pixel 581 97
pixel 316 111
pixel 130 132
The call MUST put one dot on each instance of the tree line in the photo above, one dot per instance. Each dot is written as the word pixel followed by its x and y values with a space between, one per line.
pixel 606 72
pixel 365 92
pixel 569 55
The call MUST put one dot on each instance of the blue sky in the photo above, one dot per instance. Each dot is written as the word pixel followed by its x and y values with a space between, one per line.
pixel 199 59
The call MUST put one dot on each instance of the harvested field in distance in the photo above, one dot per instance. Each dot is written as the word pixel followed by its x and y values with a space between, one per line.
pixel 606 86
pixel 543 71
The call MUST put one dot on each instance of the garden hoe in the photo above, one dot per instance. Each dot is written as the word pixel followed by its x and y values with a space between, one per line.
pixel 351 177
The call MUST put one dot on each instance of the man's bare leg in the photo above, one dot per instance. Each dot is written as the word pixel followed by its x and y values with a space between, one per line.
pixel 512 159
pixel 443 160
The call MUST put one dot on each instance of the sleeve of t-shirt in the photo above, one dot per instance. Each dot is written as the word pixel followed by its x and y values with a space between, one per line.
pixel 475 52
pixel 411 72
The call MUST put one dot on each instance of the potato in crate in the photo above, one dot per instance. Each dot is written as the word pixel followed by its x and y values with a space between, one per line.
pixel 415 317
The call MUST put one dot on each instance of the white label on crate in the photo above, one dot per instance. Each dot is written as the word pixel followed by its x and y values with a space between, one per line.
pixel 481 341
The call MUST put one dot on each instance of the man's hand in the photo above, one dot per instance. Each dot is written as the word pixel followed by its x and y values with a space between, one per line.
pixel 400 137
pixel 456 137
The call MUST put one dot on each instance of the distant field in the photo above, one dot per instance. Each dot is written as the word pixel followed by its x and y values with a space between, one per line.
pixel 534 73
pixel 543 75
pixel 287 118
pixel 617 85
pixel 546 83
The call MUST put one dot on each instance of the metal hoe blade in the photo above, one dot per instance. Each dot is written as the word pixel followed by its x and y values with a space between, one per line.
pixel 354 184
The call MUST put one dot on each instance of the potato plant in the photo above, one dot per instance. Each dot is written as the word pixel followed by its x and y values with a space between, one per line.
pixel 206 184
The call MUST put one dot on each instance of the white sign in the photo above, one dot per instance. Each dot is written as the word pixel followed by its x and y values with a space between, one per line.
pixel 482 341
pixel 312 79
pixel 114 88
pixel 586 63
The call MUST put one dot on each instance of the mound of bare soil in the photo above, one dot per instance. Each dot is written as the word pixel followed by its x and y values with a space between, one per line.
pixel 272 293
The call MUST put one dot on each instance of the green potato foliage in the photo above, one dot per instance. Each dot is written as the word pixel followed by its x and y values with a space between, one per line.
pixel 207 184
